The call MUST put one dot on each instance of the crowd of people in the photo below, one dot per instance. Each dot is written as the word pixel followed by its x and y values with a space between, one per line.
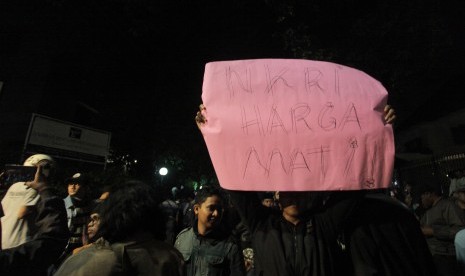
pixel 120 233
pixel 440 208
pixel 132 229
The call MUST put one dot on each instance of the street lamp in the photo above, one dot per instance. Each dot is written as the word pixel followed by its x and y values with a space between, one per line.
pixel 162 171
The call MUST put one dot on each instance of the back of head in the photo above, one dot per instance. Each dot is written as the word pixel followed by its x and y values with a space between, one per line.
pixel 266 195
pixel 306 201
pixel 131 207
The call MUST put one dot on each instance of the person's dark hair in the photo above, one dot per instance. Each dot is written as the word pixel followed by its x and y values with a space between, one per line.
pixel 207 192
pixel 308 202
pixel 131 207
pixel 97 208
pixel 266 195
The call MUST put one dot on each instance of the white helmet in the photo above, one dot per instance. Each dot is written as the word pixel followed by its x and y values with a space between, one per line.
pixel 36 158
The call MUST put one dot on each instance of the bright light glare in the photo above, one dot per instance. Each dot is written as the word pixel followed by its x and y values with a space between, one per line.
pixel 163 171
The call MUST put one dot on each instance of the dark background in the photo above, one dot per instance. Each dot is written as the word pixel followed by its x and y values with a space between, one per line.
pixel 135 68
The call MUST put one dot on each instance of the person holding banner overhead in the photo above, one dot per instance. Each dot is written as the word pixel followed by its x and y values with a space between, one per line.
pixel 333 233
pixel 320 134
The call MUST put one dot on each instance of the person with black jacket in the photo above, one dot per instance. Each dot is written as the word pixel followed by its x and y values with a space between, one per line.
pixel 338 233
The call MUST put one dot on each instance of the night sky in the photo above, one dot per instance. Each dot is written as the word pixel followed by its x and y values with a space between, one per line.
pixel 139 64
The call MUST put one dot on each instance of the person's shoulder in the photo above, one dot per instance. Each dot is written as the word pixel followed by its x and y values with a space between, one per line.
pixel 447 202
pixel 154 249
pixel 18 186
pixel 19 191
pixel 152 255
pixel 187 232
pixel 184 238
pixel 84 262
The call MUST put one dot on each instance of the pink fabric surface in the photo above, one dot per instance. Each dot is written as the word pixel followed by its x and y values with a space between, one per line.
pixel 296 125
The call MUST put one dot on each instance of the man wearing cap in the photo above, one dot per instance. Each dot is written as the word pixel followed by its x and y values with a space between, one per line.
pixel 77 209
pixel 19 206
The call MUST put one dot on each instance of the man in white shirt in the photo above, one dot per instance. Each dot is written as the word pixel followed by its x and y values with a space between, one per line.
pixel 18 206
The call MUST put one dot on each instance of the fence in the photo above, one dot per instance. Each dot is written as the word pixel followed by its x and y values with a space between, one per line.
pixel 435 169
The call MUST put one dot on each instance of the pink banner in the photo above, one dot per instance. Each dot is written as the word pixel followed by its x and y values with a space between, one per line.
pixel 296 125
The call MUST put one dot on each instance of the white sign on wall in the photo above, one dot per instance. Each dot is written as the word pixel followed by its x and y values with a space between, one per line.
pixel 65 137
